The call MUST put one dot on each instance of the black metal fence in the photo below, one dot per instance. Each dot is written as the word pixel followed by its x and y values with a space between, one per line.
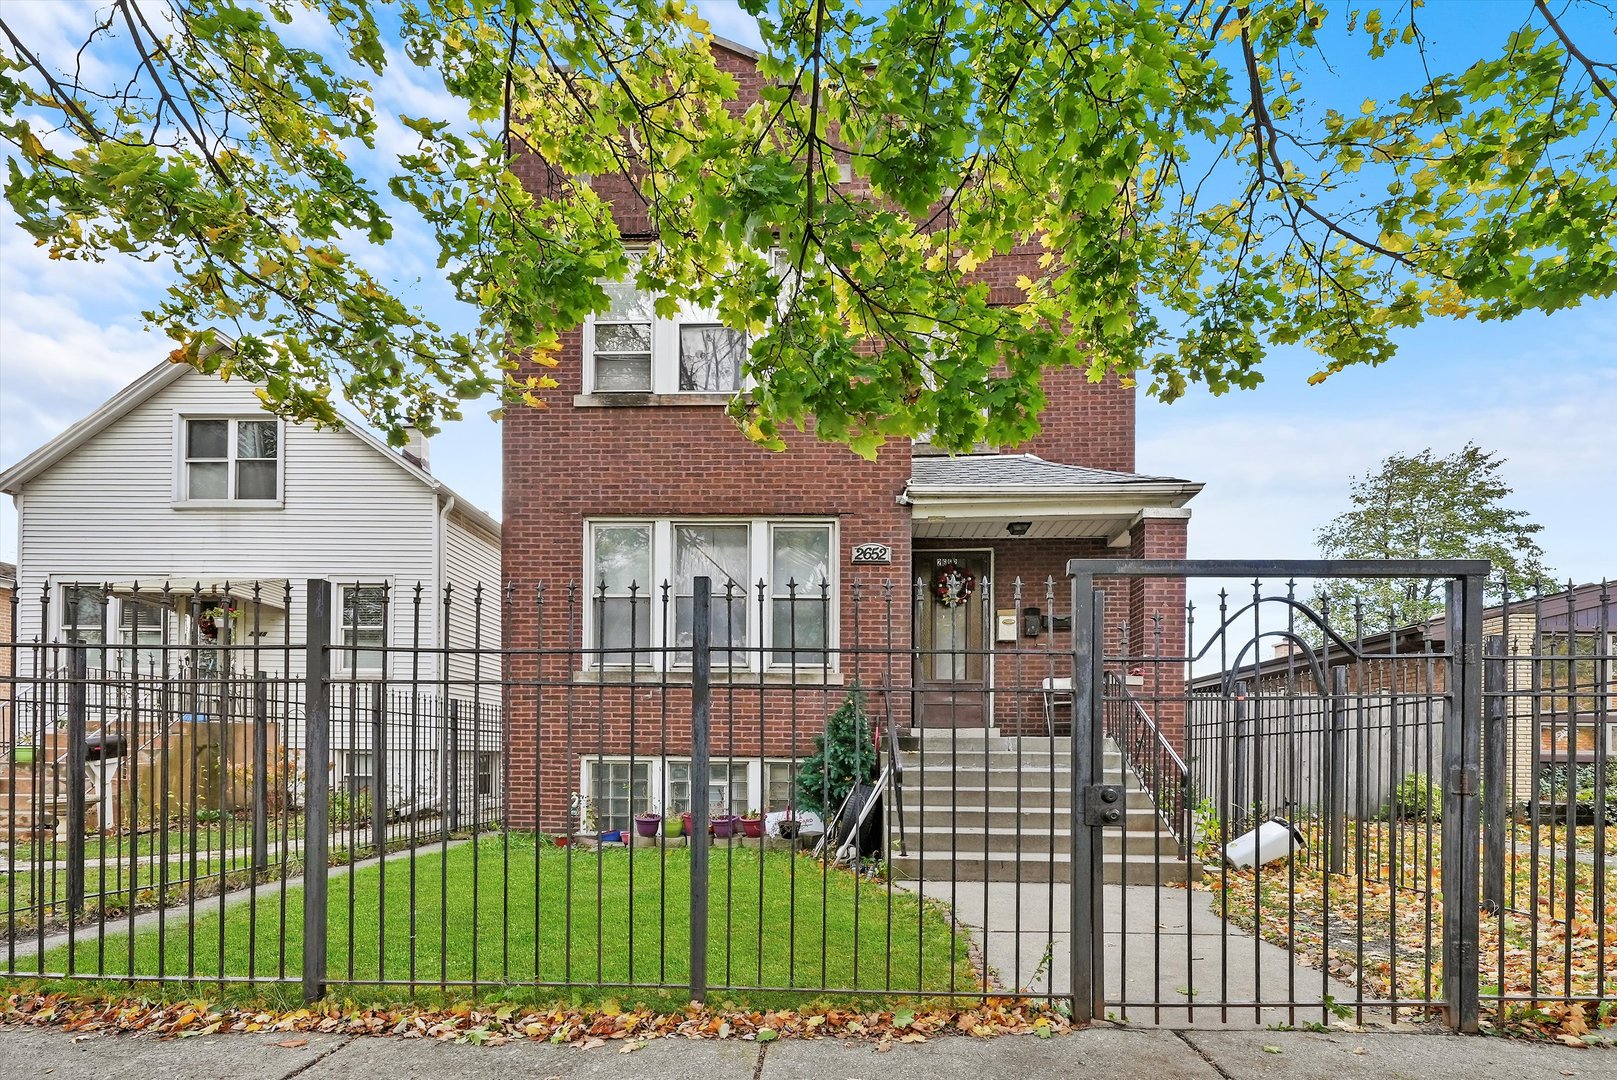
pixel 877 790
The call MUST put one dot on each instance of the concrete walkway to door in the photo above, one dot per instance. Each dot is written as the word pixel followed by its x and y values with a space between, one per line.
pixel 1162 945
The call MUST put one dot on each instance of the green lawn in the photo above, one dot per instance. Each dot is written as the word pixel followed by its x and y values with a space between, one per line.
pixel 479 900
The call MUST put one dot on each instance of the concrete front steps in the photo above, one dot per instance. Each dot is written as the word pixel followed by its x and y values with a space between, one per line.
pixel 984 807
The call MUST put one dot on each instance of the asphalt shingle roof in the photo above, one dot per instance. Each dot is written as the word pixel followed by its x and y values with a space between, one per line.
pixel 1014 471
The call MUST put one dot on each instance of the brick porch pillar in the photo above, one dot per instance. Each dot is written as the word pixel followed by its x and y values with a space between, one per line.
pixel 1160 603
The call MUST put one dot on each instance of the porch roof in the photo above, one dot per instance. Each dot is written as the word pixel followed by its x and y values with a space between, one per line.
pixel 981 495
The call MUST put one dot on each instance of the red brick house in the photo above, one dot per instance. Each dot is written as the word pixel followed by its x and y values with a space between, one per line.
pixel 634 481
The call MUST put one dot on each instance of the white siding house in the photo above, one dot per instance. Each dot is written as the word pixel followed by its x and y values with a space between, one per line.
pixel 117 500
pixel 179 526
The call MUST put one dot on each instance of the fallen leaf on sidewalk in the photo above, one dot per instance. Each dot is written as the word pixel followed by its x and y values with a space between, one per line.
pixel 293 1044
pixel 1271 1049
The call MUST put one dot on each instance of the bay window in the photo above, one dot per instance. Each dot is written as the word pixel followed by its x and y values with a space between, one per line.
pixel 791 622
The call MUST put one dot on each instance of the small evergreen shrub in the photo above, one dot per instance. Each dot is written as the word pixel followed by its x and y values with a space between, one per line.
pixel 1417 798
pixel 844 755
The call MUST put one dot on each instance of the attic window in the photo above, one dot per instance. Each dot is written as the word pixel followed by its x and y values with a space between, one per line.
pixel 231 460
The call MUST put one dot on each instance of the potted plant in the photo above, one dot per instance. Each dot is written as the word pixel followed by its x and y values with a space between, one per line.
pixel 752 825
pixel 646 824
pixel 789 825
pixel 724 826
pixel 685 823
pixel 673 825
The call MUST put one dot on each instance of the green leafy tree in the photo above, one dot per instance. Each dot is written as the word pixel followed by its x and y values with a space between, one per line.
pixel 1192 195
pixel 844 755
pixel 1425 506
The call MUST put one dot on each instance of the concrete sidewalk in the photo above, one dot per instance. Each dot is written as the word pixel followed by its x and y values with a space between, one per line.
pixel 1101 1052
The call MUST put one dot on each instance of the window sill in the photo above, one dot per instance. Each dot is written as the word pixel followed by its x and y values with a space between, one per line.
pixel 227 504
pixel 640 400
pixel 648 677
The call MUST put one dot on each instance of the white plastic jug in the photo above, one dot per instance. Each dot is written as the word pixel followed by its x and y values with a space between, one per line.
pixel 1275 839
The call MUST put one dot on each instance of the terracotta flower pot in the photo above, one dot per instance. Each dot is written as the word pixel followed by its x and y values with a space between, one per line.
pixel 685 821
pixel 752 827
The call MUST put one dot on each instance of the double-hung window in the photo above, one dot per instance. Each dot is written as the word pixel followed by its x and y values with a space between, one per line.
pixel 230 460
pixel 773 591
pixel 631 349
pixel 140 625
pixel 84 619
pixel 362 631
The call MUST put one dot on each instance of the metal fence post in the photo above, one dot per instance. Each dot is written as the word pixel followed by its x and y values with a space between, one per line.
pixel 1088 606
pixel 701 710
pixel 1336 806
pixel 1461 869
pixel 317 783
pixel 1243 807
pixel 378 771
pixel 1493 775
pixel 261 772
pixel 452 769
pixel 77 664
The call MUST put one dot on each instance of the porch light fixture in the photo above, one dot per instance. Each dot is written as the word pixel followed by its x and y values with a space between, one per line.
pixel 1019 528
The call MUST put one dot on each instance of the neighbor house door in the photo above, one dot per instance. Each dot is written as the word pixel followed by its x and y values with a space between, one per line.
pixel 953 657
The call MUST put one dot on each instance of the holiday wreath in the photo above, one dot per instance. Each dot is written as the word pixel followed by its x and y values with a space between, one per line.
pixel 953 584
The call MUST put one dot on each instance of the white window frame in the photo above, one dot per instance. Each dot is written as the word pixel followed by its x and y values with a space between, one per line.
pixel 182 473
pixel 95 651
pixel 342 651
pixel 659 776
pixel 758 649
pixel 664 355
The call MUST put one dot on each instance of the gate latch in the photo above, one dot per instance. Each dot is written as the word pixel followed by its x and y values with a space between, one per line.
pixel 1464 781
pixel 1103 804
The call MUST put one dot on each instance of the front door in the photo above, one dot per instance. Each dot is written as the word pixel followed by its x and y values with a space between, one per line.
pixel 952 634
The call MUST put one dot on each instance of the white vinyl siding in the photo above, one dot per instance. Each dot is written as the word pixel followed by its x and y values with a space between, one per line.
pixel 106 512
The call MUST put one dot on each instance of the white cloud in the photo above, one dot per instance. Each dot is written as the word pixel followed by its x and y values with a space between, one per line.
pixel 727 20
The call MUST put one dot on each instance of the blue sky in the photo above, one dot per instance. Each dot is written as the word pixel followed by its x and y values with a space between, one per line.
pixel 1542 391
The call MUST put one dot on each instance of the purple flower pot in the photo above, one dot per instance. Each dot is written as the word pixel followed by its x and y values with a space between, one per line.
pixel 724 826
pixel 647 824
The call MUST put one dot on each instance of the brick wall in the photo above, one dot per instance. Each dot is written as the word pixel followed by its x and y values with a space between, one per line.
pixel 573 461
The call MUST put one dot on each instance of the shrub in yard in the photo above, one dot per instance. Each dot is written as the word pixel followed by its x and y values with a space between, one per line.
pixel 1553 781
pixel 1417 798
pixel 844 755
pixel 348 808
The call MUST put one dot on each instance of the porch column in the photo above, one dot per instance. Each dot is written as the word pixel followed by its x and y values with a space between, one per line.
pixel 1158 604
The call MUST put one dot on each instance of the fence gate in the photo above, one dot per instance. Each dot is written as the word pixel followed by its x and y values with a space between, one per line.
pixel 1318 765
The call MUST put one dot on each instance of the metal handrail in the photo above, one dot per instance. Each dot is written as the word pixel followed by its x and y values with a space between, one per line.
pixel 1143 762
pixel 895 773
